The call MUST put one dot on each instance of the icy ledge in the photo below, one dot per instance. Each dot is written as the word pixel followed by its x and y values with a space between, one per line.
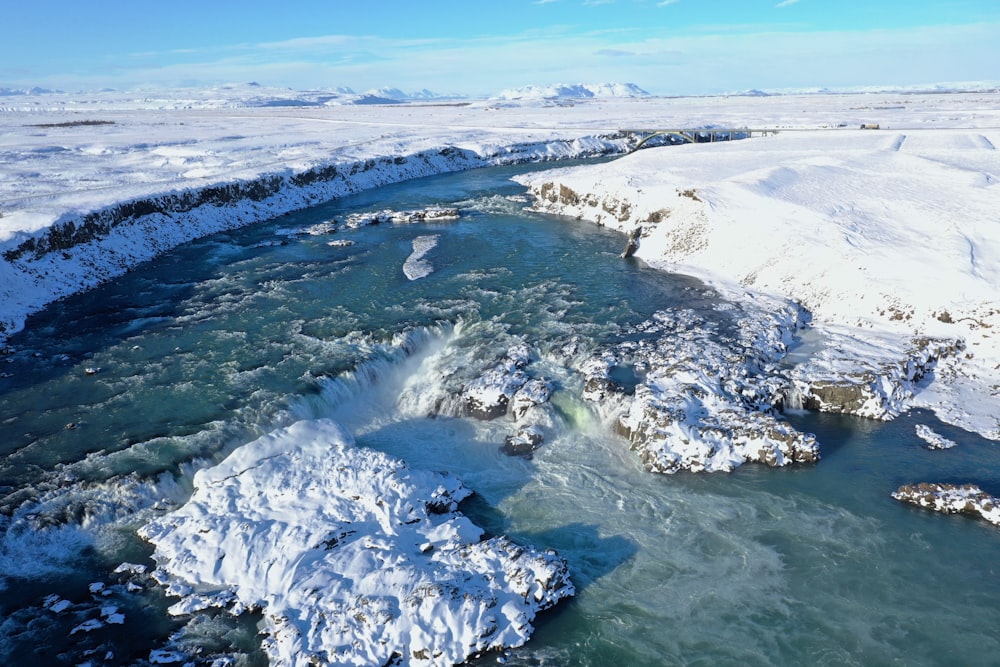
pixel 353 558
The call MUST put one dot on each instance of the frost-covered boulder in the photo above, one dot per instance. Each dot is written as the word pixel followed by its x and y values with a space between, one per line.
pixel 966 499
pixel 353 558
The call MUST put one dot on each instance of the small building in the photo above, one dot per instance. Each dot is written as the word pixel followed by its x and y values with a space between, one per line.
pixel 869 126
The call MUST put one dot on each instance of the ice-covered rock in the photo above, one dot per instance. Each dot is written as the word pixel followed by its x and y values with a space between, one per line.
pixel 523 442
pixel 489 395
pixel 56 604
pixel 704 398
pixel 389 216
pixel 875 377
pixel 352 557
pixel 164 657
pixel 87 626
pixel 952 499
pixel 531 394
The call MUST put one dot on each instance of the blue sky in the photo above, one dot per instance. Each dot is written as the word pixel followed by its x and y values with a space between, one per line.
pixel 479 47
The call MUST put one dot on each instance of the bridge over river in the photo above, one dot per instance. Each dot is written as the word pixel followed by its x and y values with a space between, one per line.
pixel 695 135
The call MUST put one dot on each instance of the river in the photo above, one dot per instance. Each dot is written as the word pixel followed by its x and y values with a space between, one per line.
pixel 110 400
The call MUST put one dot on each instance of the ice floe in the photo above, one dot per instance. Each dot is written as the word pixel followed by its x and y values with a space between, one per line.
pixel 933 439
pixel 416 266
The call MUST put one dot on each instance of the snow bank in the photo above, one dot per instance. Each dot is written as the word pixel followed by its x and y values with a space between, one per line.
pixel 886 235
pixel 354 558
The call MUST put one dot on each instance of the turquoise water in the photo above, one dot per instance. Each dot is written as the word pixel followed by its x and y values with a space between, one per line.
pixel 228 337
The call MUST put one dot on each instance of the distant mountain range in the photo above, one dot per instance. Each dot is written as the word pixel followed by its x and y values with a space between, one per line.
pixel 955 87
pixel 26 91
pixel 399 95
pixel 257 95
pixel 573 91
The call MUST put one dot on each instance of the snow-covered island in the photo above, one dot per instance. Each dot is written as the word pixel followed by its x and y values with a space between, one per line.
pixel 353 558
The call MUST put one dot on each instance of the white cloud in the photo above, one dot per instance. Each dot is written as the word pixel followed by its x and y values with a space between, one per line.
pixel 664 3
pixel 785 3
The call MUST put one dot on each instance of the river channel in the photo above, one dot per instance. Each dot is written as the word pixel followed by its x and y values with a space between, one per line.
pixel 112 399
